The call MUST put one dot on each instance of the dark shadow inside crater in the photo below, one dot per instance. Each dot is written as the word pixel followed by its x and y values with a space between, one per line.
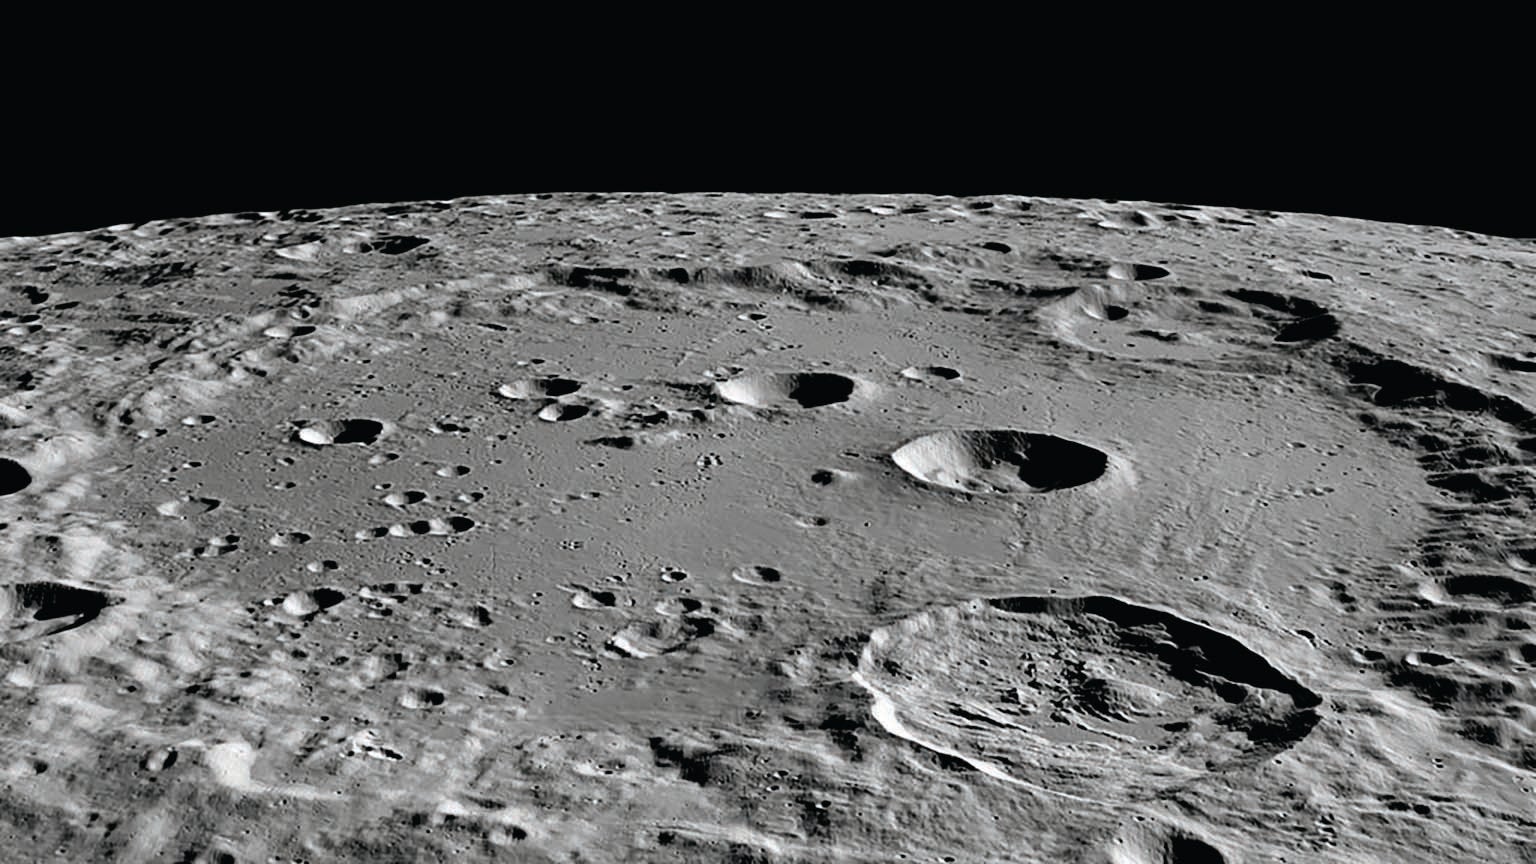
pixel 1048 463
pixel 13 477
pixel 815 389
pixel 359 431
pixel 49 601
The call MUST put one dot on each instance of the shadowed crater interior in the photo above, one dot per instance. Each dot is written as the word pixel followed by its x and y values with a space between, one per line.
pixel 13 477
pixel 325 432
pixel 806 389
pixel 64 606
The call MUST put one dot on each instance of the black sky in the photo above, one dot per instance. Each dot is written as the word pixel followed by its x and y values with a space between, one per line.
pixel 147 158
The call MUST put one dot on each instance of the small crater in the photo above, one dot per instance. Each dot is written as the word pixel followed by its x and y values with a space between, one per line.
pixel 562 412
pixel 287 331
pixel 35 295
pixel 215 550
pixel 187 507
pixel 587 598
pixel 1308 329
pixel 548 387
pixel 642 639
pixel 1501 590
pixel 404 499
pixel 421 528
pixel 159 759
pixel 322 433
pixel 806 389
pixel 1136 272
pixel 1428 658
pixel 393 245
pixel 289 538
pixel 757 574
pixel 931 373
pixel 681 606
pixel 302 604
pixel 423 698
pixel 994 246
pixel 474 618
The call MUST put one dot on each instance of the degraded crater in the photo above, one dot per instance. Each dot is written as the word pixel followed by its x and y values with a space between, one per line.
pixel 1000 461
pixel 32 609
pixel 774 389
pixel 13 477
pixel 1088 696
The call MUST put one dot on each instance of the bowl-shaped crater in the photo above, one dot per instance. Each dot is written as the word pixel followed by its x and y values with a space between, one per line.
pixel 1000 461
pixel 775 389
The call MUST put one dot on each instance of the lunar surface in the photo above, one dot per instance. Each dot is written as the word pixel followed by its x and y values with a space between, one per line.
pixel 749 528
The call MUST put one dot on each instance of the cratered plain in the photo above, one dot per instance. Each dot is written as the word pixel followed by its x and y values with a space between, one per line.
pixel 768 528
